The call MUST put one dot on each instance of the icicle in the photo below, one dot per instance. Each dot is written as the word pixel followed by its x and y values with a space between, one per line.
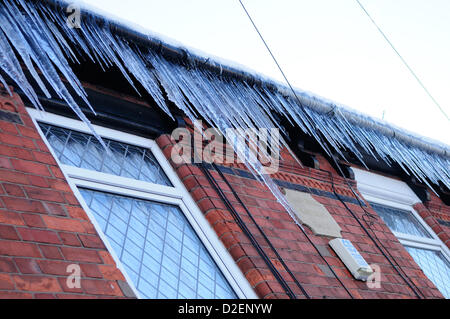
pixel 223 102
pixel 11 66
pixel 5 85
pixel 20 44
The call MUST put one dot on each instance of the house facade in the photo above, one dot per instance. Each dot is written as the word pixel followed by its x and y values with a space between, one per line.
pixel 105 202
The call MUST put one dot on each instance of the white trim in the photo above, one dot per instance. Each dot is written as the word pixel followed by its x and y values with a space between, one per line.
pixel 119 181
pixel 114 189
pixel 177 195
pixel 416 239
pixel 423 246
pixel 381 187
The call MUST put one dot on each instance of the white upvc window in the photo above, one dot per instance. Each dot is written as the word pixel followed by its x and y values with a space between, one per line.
pixel 393 200
pixel 147 219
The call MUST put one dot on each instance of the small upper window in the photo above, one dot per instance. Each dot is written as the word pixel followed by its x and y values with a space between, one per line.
pixel 83 150
pixel 400 221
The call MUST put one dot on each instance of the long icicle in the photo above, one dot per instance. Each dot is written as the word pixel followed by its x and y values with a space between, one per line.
pixel 39 35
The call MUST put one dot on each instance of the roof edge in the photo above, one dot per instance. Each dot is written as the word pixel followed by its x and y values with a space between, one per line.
pixel 312 101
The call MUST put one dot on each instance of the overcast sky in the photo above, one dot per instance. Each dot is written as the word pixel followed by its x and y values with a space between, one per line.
pixel 328 47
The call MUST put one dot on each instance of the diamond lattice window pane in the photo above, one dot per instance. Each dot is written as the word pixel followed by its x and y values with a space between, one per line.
pixel 435 266
pixel 84 151
pixel 158 247
pixel 400 221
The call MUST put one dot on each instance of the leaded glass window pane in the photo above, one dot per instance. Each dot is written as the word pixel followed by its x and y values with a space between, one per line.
pixel 84 151
pixel 435 266
pixel 400 221
pixel 158 247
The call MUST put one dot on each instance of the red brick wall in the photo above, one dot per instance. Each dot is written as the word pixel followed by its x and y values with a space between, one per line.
pixel 43 229
pixel 300 256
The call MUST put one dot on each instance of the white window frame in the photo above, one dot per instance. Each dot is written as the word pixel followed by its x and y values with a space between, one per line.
pixel 176 195
pixel 393 193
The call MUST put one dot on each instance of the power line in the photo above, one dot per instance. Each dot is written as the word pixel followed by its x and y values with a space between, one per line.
pixel 403 60
pixel 309 189
pixel 340 169
pixel 284 76
pixel 271 54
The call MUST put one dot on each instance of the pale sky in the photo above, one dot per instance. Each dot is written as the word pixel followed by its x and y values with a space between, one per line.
pixel 328 47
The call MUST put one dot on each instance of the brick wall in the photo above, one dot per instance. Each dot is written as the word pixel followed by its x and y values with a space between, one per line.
pixel 43 229
pixel 301 257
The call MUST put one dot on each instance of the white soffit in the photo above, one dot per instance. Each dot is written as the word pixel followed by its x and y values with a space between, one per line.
pixel 375 185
